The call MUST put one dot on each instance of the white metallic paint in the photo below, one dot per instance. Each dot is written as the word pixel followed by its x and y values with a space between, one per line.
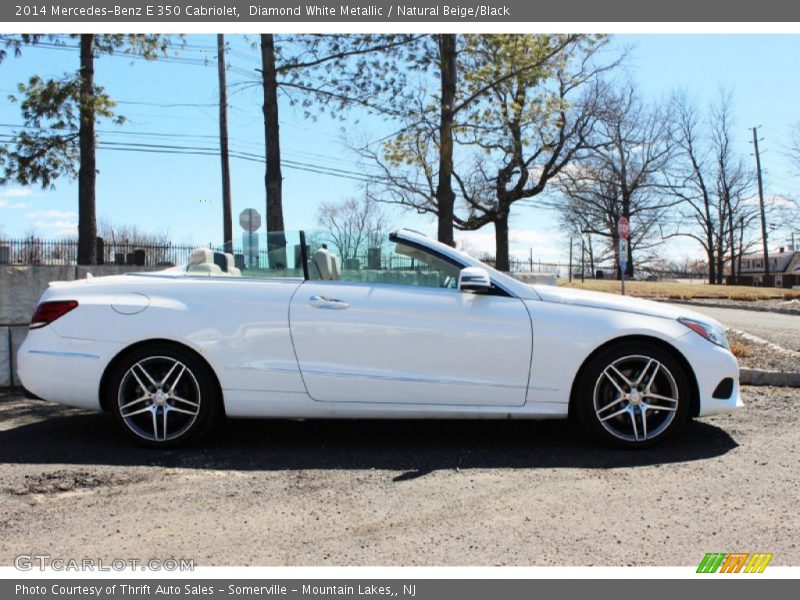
pixel 395 352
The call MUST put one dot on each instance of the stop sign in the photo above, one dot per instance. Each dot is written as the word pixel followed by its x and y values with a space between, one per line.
pixel 250 220
pixel 623 228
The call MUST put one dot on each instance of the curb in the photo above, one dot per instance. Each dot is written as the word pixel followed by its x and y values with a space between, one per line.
pixel 762 377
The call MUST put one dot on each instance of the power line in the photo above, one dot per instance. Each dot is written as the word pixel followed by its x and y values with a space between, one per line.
pixel 214 151
pixel 199 138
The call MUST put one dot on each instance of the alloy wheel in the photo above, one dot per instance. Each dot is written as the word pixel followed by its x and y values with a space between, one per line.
pixel 636 398
pixel 159 398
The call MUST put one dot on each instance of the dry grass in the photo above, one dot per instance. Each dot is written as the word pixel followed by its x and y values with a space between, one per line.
pixel 739 349
pixel 685 291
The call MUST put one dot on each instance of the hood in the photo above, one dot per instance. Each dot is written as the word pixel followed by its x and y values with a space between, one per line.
pixel 603 300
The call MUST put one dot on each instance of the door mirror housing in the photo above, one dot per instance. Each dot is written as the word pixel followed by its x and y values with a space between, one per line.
pixel 474 279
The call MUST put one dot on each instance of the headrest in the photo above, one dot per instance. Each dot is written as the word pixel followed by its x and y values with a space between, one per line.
pixel 201 255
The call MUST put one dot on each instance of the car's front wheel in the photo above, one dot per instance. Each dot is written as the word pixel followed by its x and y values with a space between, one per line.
pixel 162 396
pixel 633 394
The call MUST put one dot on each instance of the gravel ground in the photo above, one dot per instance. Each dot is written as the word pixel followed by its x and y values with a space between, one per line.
pixel 401 493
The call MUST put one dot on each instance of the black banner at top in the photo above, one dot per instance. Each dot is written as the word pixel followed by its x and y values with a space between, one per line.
pixel 403 11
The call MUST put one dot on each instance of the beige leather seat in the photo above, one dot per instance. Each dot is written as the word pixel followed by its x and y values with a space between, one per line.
pixel 230 267
pixel 324 266
pixel 201 262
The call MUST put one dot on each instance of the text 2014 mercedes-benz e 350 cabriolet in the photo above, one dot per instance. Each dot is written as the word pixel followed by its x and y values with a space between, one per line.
pixel 413 329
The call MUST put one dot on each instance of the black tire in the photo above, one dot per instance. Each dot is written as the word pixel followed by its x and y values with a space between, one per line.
pixel 632 395
pixel 185 409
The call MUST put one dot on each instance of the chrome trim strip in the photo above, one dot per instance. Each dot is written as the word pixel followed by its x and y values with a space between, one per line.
pixel 402 379
pixel 64 354
pixel 294 371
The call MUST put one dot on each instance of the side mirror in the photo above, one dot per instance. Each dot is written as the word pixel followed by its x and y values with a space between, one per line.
pixel 474 279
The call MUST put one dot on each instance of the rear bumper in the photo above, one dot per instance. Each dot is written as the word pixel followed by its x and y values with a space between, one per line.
pixel 64 370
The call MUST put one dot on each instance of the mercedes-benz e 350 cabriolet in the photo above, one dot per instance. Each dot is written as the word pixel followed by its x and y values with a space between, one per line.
pixel 412 329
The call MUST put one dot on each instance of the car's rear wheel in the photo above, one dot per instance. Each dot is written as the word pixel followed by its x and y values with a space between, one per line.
pixel 163 395
pixel 634 394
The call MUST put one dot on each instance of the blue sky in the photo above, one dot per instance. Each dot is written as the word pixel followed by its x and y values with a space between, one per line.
pixel 180 194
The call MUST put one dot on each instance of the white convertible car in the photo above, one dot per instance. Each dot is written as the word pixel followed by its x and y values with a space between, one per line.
pixel 415 330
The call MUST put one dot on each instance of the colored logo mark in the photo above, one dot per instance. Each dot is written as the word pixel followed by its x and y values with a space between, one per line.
pixel 734 562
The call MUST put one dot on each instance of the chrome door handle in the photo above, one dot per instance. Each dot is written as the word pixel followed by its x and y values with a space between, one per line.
pixel 329 303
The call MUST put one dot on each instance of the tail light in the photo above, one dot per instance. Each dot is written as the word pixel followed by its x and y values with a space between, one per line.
pixel 47 312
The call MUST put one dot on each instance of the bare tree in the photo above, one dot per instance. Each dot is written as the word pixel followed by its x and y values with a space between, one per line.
pixel 733 183
pixel 710 182
pixel 621 175
pixel 353 225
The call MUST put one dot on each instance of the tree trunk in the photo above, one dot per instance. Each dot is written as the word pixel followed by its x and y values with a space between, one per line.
pixel 732 242
pixel 741 250
pixel 227 218
pixel 626 212
pixel 712 265
pixel 87 172
pixel 445 197
pixel 721 249
pixel 273 177
pixel 501 262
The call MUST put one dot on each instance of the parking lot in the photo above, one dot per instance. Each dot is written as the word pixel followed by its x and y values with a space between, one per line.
pixel 401 493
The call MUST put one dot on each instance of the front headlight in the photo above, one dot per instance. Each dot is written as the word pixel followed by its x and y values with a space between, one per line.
pixel 713 333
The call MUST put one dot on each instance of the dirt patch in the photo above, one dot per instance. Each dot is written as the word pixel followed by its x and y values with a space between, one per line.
pixel 61 481
pixel 755 353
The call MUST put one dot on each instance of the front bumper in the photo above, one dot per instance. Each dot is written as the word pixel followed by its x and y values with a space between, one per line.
pixel 711 364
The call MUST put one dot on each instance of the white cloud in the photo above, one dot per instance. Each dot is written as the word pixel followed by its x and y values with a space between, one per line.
pixel 53 214
pixel 16 193
pixel 58 227
pixel 771 200
pixel 6 204
pixel 546 246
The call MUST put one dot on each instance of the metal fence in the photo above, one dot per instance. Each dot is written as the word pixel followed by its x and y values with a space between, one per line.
pixel 36 251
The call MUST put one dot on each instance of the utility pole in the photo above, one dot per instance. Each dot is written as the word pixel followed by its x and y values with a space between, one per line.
pixel 227 217
pixel 570 258
pixel 761 206
pixel 583 258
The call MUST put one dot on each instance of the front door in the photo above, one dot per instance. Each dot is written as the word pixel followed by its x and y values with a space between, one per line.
pixel 410 344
